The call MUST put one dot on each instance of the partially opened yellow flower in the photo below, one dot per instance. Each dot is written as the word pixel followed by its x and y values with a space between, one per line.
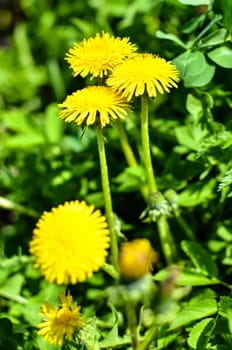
pixel 99 55
pixel 60 324
pixel 94 105
pixel 143 73
pixel 136 259
pixel 70 242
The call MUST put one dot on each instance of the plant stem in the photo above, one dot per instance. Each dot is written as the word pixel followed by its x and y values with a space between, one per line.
pixel 128 152
pixel 146 145
pixel 167 242
pixel 132 323
pixel 149 337
pixel 183 224
pixel 107 197
pixel 8 204
pixel 110 270
pixel 130 308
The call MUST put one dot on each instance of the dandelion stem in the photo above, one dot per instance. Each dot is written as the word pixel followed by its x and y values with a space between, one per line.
pixel 146 145
pixel 107 197
pixel 128 152
pixel 166 240
pixel 130 308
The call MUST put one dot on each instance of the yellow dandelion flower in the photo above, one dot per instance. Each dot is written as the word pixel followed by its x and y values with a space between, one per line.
pixel 60 323
pixel 70 242
pixel 94 104
pixel 145 73
pixel 136 258
pixel 99 55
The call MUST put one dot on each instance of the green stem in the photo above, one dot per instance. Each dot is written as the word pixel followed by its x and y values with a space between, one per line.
pixel 110 270
pixel 132 323
pixel 8 204
pixel 183 224
pixel 146 145
pixel 129 155
pixel 167 243
pixel 128 152
pixel 130 308
pixel 107 197
pixel 149 337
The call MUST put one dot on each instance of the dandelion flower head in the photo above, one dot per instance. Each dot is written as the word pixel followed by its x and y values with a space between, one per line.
pixel 143 73
pixel 99 55
pixel 70 242
pixel 94 104
pixel 60 323
pixel 136 258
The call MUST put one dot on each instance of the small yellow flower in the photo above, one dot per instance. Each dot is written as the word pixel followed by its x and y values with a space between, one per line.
pixel 94 104
pixel 60 323
pixel 143 73
pixel 99 55
pixel 70 242
pixel 136 258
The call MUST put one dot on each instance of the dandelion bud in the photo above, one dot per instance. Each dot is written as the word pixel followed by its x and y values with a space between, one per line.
pixel 136 259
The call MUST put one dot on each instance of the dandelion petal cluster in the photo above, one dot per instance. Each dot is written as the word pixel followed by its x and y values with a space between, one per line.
pixel 60 324
pixel 143 73
pixel 70 242
pixel 99 55
pixel 94 105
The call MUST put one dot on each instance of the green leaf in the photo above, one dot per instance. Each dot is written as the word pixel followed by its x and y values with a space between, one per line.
pixel 194 106
pixel 112 339
pixel 200 333
pixel 189 277
pixel 222 56
pixel 53 125
pixel 24 141
pixel 225 6
pixel 215 38
pixel 190 135
pixel 185 277
pixel 27 132
pixel 200 258
pixel 196 309
pixel 226 181
pixel 224 304
pixel 130 179
pixel 224 233
pixel 172 37
pixel 193 68
pixel 225 309
pixel 197 193
pixel 12 288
